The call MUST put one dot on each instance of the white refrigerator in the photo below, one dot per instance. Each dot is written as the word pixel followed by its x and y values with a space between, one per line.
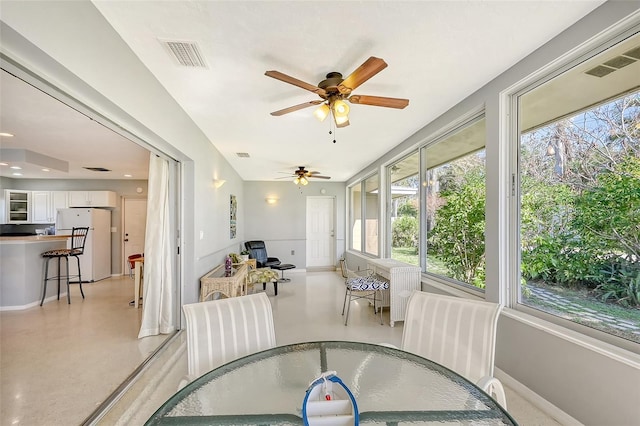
pixel 95 262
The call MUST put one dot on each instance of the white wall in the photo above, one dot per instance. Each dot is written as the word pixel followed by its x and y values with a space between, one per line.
pixel 591 381
pixel 282 226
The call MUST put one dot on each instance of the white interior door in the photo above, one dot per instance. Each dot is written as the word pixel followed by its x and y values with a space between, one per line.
pixel 320 233
pixel 134 216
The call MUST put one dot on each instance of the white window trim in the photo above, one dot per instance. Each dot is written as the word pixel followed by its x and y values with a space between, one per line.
pixel 509 251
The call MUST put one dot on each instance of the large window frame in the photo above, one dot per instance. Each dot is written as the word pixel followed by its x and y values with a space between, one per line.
pixel 510 255
pixel 457 129
pixel 391 213
pixel 360 211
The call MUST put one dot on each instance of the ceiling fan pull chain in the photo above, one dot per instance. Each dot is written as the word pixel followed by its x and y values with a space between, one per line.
pixel 332 129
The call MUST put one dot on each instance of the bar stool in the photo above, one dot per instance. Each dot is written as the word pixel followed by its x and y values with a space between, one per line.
pixel 132 263
pixel 78 239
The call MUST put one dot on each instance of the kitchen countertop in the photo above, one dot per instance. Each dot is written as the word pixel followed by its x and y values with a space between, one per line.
pixel 35 238
pixel 22 267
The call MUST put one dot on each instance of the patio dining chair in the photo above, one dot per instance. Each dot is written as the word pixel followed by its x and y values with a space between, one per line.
pixel 457 333
pixel 222 330
pixel 361 285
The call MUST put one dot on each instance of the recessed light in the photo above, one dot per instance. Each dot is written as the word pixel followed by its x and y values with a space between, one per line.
pixel 45 170
pixel 3 164
pixel 128 175
pixel 16 174
pixel 16 167
pixel 6 135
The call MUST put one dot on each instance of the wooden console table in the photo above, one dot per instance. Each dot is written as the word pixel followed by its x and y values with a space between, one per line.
pixel 228 283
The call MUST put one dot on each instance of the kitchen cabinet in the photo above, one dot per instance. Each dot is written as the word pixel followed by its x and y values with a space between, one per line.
pixel 45 204
pixel 92 199
pixel 18 206
pixel 40 206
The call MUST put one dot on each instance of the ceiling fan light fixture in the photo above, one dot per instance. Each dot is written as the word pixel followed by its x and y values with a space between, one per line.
pixel 340 108
pixel 304 181
pixel 341 121
pixel 322 112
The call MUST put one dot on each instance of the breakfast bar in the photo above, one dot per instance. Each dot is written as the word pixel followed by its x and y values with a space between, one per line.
pixel 23 267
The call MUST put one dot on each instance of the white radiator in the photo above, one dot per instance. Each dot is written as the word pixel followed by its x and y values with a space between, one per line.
pixel 403 280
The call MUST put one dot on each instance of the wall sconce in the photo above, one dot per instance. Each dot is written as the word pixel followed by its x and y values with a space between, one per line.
pixel 218 183
pixel 271 200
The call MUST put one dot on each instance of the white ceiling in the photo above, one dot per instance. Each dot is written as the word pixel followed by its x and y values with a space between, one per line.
pixel 47 133
pixel 438 52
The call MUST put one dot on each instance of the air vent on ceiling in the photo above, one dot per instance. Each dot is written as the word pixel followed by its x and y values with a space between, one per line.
pixel 634 53
pixel 614 64
pixel 619 62
pixel 186 53
pixel 242 154
pixel 600 71
pixel 97 169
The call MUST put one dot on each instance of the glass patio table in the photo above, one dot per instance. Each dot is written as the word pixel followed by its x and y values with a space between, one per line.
pixel 390 386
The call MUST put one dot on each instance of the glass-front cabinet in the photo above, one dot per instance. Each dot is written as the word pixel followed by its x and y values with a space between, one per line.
pixel 18 206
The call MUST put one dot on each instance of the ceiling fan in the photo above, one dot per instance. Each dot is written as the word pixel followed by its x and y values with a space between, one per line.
pixel 334 90
pixel 302 176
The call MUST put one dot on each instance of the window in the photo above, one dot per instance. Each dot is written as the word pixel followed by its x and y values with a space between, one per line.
pixel 454 183
pixel 579 187
pixel 371 191
pixel 404 177
pixel 355 196
pixel 363 217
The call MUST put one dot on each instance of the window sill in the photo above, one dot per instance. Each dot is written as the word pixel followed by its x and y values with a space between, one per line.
pixel 630 356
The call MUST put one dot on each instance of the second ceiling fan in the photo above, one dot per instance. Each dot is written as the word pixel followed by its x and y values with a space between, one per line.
pixel 302 176
pixel 334 90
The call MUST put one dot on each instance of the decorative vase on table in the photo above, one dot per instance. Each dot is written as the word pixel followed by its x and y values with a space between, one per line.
pixel 227 264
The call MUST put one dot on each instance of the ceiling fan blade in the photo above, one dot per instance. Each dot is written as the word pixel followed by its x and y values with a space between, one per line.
pixel 364 72
pixel 379 101
pixel 296 107
pixel 288 79
pixel 320 177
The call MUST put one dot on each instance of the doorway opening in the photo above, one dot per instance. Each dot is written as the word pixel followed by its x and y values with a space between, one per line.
pixel 85 356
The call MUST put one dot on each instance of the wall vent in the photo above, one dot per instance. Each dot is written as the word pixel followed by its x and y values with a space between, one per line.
pixel 619 62
pixel 633 53
pixel 242 154
pixel 600 71
pixel 614 64
pixel 186 53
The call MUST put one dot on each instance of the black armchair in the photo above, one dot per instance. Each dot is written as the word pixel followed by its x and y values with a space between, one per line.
pixel 258 251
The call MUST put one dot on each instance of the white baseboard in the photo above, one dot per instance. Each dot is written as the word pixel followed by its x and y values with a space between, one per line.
pixel 63 295
pixel 535 399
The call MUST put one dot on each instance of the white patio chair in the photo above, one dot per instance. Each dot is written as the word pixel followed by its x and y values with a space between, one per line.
pixel 457 333
pixel 362 284
pixel 220 331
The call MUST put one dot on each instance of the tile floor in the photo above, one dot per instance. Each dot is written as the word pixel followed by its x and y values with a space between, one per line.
pixel 59 362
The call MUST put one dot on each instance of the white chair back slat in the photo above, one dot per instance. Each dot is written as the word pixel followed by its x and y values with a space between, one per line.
pixel 220 331
pixel 457 333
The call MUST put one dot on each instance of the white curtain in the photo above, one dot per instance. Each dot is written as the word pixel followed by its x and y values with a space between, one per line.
pixel 158 294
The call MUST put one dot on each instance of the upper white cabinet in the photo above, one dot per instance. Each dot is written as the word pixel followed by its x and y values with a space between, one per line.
pixel 18 206
pixel 45 204
pixel 92 199
pixel 40 206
